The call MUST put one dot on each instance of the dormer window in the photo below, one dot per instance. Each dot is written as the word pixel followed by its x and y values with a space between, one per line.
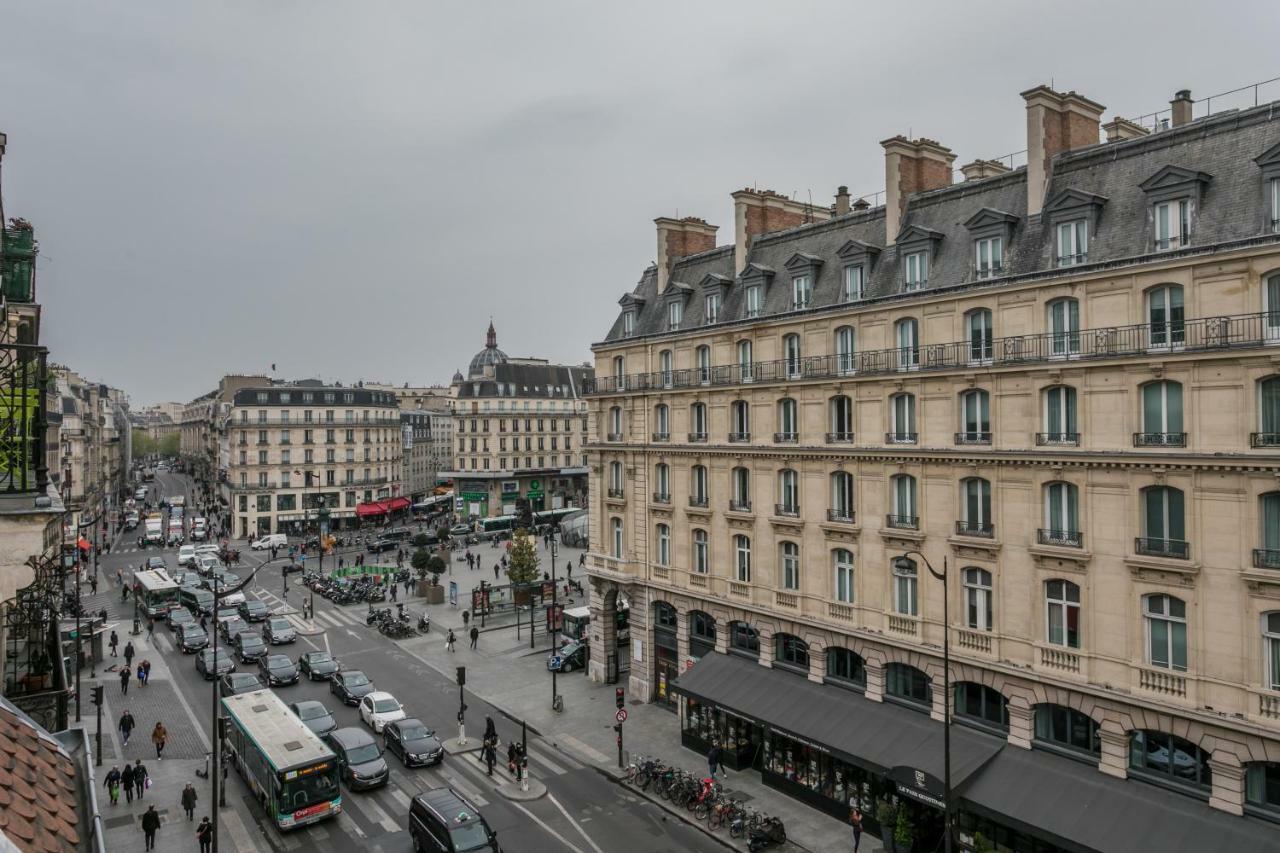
pixel 714 286
pixel 1173 224
pixel 859 259
pixel 1073 243
pixel 1269 163
pixel 803 268
pixel 675 312
pixel 1174 194
pixel 917 270
pixel 628 323
pixel 753 300
pixel 711 308
pixel 989 256
pixel 1273 187
pixel 801 292
pixel 854 283
pixel 991 230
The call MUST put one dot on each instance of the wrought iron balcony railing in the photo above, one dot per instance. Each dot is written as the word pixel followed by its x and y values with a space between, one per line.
pixel 23 418
pixel 1266 558
pixel 662 436
pixel 1159 439
pixel 841 516
pixel 903 522
pixel 662 497
pixel 839 438
pixel 698 501
pixel 786 437
pixel 1264 439
pixel 1155 547
pixel 900 437
pixel 697 437
pixel 981 529
pixel 1061 538
pixel 740 506
pixel 973 438
pixel 736 437
pixel 787 510
pixel 1057 439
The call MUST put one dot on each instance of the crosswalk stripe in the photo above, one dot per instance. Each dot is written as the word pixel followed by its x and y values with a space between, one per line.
pixel 323 616
pixel 539 758
pixel 546 750
pixel 370 808
pixel 401 798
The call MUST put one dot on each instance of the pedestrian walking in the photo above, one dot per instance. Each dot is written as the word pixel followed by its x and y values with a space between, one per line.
pixel 129 653
pixel 150 823
pixel 713 759
pixel 114 642
pixel 120 577
pixel 141 779
pixel 495 571
pixel 490 757
pixel 582 559
pixel 393 592
pixel 113 785
pixel 151 629
pixel 449 640
pixel 855 818
pixel 511 757
pixel 568 569
pixel 159 737
pixel 125 672
pixel 466 617
pixel 475 635
pixel 204 834
pixel 339 562
pixel 126 779
pixel 189 801
pixel 144 673
pixel 93 582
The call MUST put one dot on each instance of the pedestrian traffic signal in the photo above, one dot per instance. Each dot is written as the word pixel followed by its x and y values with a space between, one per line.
pixel 462 676
pixel 619 697
pixel 97 695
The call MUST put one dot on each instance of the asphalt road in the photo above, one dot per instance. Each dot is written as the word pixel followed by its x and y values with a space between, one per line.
pixel 583 811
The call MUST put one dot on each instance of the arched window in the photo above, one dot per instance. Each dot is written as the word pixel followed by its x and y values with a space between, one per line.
pixel 844 350
pixel 906 333
pixel 666 364
pixel 902 419
pixel 1161 416
pixel 979 336
pixel 1061 516
pixel 788 492
pixel 1262 784
pixel 975 417
pixel 1064 328
pixel 661 422
pixel 1268 434
pixel 615 480
pixel 1169 757
pixel 742 552
pixel 1059 416
pixel 1166 622
pixel 1166 323
pixel 790 651
pixel 616 525
pixel 982 704
pixel 740 421
pixel 1061 726
pixel 846 667
pixel 841 497
pixel 746 362
pixel 788 422
pixel 841 409
pixel 978 601
pixel 698 488
pixel 701 555
pixel 1163 523
pixel 663 545
pixel 905 592
pixel 907 683
pixel 902 495
pixel 842 560
pixel 664 616
pixel 615 423
pixel 791 353
pixel 1062 613
pixel 789 558
pixel 740 500
pixel 662 483
pixel 744 639
pixel 975 508
pixel 1271 650
pixel 698 422
pixel 702 634
pixel 703 358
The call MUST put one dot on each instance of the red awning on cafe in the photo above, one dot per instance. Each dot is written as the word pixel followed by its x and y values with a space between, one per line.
pixel 397 503
pixel 372 508
pixel 83 544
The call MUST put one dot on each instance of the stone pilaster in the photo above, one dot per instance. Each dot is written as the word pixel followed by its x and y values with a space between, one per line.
pixel 1020 725
pixel 1228 782
pixel 875 682
pixel 1115 752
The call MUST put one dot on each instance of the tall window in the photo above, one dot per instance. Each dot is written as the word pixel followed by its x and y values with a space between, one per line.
pixel 615 423
pixel 753 300
pixel 977 599
pixel 982 704
pixel 788 427
pixel 1271 650
pixel 628 323
pixel 902 490
pixel 906 682
pixel 1062 613
pixel 1066 727
pixel 662 482
pixel 975 503
pixel 1170 758
pixel 905 580
pixel 1173 224
pixel 916 266
pixel 1271 302
pixel 616 525
pixel 841 408
pixel 853 283
pixel 978 329
pixel 1060 416
pixel 801 291
pixel 741 478
pixel 711 308
pixel 788 492
pixel 1064 328
pixel 1166 619
pixel 789 555
pixel 665 364
pixel 1073 243
pixel 988 256
pixel 742 550
pixel 844 350
pixel 615 479
pixel 740 417
pixel 701 559
pixel 902 419
pixel 841 496
pixel 746 367
pixel 675 313
pixel 661 421
pixel 619 373
pixel 791 352
pixel 843 565
pixel 908 340
pixel 1061 515
pixel 975 417
pixel 1163 523
pixel 703 356
pixel 1162 414
pixel 1268 413
pixel 698 420
pixel 1165 317
pixel 698 484
pixel 663 545
pixel 790 650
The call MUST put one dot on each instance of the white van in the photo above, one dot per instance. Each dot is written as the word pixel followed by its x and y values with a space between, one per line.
pixel 271 540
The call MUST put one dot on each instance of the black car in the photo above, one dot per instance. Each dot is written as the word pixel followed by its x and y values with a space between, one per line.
pixel 279 630
pixel 231 626
pixel 318 666
pixel 572 655
pixel 360 761
pixel 315 715
pixel 250 646
pixel 443 820
pixel 414 743
pixel 350 685
pixel 177 617
pixel 235 683
pixel 192 638
pixel 253 610
pixel 278 670
pixel 211 666
pixel 154 563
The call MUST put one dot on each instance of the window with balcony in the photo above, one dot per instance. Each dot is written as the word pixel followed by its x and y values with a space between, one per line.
pixel 1169 758
pixel 905 682
pixel 615 526
pixel 801 292
pixel 1166 319
pixel 845 350
pixel 975 417
pixel 841 497
pixel 711 308
pixel 675 313
pixel 975 506
pixel 1262 786
pixel 746 365
pixel 616 484
pixel 916 270
pixel 1161 416
pixel 902 494
pixel 906 334
pixel 703 359
pixel 1061 516
pixel 698 422
pixel 791 355
pixel 979 336
pixel 740 500
pixel 1163 523
pixel 661 422
pixel 1062 613
pixel 905 588
pixel 1172 224
pixel 902 419
pixel 988 261
pixel 1064 328
pixel 1268 434
pixel 854 283
pixel 1271 650
pixel 978 599
pixel 840 410
pixel 1268 556
pixel 982 705
pixel 698 490
pixel 742 551
pixel 663 545
pixel 752 300
pixel 790 652
pixel 788 421
pixel 789 560
pixel 788 493
pixel 1166 627
pixel 615 423
pixel 1059 412
pixel 701 557
pixel 666 366
pixel 1073 243
pixel 662 483
pixel 1061 727
pixel 739 421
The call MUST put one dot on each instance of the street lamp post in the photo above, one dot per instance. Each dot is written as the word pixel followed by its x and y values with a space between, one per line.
pixel 905 562
pixel 555 623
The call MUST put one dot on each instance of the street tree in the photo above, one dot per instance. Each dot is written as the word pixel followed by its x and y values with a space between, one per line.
pixel 523 559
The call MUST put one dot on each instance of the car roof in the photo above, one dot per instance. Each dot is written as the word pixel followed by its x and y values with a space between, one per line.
pixel 446 803
pixel 307 703
pixel 350 737
pixel 345 672
pixel 379 694
pixel 279 657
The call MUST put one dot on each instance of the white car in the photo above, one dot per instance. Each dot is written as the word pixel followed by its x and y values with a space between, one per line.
pixel 271 540
pixel 187 555
pixel 379 708
pixel 207 563
pixel 207 549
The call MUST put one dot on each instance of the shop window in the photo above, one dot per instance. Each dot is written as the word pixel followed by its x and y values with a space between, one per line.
pixel 982 705
pixel 789 651
pixel 1262 785
pixel 704 725
pixel 1169 758
pixel 744 639
pixel 1060 726
pixel 846 668
pixel 815 777
pixel 907 683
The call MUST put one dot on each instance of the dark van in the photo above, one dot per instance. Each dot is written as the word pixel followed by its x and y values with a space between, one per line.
pixel 441 821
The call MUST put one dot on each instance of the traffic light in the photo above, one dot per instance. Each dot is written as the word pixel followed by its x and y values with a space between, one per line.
pixel 462 676
pixel 619 698
pixel 97 695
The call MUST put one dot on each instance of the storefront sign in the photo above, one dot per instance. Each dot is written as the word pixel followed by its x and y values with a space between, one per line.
pixel 918 785
pixel 789 736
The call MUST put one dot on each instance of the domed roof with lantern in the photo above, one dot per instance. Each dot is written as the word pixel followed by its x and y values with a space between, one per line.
pixel 488 357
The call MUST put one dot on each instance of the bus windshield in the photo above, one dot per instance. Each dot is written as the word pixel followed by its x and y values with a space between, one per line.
pixel 311 786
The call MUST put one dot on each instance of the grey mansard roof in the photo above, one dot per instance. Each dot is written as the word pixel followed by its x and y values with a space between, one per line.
pixel 549 381
pixel 1220 160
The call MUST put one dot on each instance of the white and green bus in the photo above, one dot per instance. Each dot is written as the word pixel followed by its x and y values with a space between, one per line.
pixel 292 773
pixel 156 592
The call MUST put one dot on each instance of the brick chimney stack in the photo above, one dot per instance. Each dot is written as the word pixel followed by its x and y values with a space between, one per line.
pixel 757 212
pixel 842 201
pixel 678 238
pixel 1120 129
pixel 911 166
pixel 1182 104
pixel 1056 122
pixel 979 169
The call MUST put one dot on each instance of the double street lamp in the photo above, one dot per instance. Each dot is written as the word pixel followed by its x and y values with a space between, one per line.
pixel 322 519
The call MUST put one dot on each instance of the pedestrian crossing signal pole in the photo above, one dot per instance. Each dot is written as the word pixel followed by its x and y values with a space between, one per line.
pixel 97 746
pixel 462 706
pixel 620 699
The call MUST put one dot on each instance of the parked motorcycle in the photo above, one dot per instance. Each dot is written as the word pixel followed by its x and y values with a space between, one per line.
pixel 769 833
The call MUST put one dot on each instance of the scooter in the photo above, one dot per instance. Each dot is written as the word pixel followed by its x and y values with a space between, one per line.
pixel 769 833
pixel 424 624
pixel 373 617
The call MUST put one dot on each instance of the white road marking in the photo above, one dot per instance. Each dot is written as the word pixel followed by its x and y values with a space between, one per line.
pixel 353 633
pixel 235 826
pixel 401 798
pixel 549 830
pixel 370 807
pixel 540 757
pixel 578 746
pixel 576 825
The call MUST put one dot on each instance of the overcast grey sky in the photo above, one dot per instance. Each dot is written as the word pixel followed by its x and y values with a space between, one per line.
pixel 350 190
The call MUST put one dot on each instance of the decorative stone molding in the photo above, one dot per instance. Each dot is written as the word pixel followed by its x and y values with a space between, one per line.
pixel 1228 782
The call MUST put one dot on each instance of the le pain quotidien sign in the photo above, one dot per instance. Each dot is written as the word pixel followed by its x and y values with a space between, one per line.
pixel 918 785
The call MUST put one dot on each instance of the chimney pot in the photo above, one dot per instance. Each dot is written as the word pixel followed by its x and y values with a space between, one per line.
pixel 842 200
pixel 1181 105
pixel 1120 129
pixel 911 167
pixel 861 204
pixel 979 169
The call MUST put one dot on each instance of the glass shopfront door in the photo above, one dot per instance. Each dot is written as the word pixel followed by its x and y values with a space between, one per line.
pixel 739 739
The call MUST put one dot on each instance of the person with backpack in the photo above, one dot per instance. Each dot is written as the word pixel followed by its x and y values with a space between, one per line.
pixel 126 779
pixel 204 834
pixel 141 779
pixel 126 726
pixel 125 672
pixel 113 785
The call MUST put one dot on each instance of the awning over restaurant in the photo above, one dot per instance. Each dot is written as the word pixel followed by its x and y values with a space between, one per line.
pixel 399 502
pixel 372 508
pixel 1073 805
pixel 84 544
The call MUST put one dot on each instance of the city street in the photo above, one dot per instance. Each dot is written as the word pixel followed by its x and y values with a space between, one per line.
pixel 582 810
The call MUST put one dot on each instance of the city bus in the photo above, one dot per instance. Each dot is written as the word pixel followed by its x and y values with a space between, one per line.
pixel 156 591
pixel 552 516
pixel 293 774
pixel 576 620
